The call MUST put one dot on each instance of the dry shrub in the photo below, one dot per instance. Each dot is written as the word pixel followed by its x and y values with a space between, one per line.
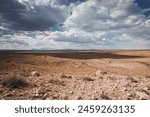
pixel 14 82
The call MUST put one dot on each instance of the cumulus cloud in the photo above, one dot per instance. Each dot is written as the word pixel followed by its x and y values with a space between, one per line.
pixel 100 15
pixel 73 24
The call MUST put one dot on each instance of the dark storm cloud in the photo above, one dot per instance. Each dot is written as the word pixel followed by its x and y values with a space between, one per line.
pixel 15 15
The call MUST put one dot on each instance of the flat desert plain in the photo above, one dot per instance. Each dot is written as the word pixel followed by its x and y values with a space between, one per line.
pixel 75 75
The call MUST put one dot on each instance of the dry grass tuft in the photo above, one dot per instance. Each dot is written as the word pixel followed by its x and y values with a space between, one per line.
pixel 14 82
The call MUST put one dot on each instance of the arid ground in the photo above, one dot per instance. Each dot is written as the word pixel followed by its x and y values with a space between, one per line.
pixel 77 75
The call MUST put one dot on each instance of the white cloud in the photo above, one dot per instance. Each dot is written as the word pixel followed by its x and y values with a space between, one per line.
pixel 146 10
pixel 97 15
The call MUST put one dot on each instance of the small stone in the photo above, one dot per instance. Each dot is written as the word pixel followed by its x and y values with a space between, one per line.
pixel 148 87
pixel 1 91
pixel 35 73
pixel 8 95
pixel 145 90
pixel 48 89
pixel 55 96
pixel 21 94
pixel 78 98
pixel 104 73
pixel 1 86
pixel 66 98
pixel 100 73
pixel 45 95
pixel 93 97
pixel 41 91
pixel 49 98
pixel 62 75
pixel 142 95
pixel 69 76
pixel 96 92
pixel 109 61
pixel 147 76
pixel 36 95
pixel 128 94
pixel 71 92
pixel 105 96
pixel 88 79
pixel 134 80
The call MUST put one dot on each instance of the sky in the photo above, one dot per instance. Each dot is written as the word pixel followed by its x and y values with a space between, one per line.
pixel 74 24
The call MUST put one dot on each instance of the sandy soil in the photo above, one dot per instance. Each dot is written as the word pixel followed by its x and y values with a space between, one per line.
pixel 74 75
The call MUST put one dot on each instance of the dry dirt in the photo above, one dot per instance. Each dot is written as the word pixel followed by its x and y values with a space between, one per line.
pixel 75 75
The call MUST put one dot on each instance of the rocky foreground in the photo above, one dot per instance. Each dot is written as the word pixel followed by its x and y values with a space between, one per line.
pixel 50 77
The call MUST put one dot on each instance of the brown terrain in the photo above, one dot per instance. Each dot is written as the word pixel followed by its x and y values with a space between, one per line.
pixel 75 75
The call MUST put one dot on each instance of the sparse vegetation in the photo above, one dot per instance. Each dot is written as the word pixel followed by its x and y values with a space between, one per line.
pixel 14 82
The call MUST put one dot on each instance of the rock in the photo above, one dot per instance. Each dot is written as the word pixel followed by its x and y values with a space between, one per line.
pixel 49 98
pixel 78 98
pixel 13 91
pixel 21 94
pixel 1 91
pixel 69 76
pixel 129 94
pixel 35 73
pixel 36 96
pixel 71 92
pixel 143 95
pixel 99 73
pixel 105 96
pixel 66 98
pixel 93 97
pixel 45 95
pixel 62 75
pixel 88 79
pixel 55 96
pixel 148 87
pixel 57 82
pixel 8 95
pixel 1 86
pixel 41 91
pixel 147 76
pixel 145 90
pixel 48 89
pixel 134 80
